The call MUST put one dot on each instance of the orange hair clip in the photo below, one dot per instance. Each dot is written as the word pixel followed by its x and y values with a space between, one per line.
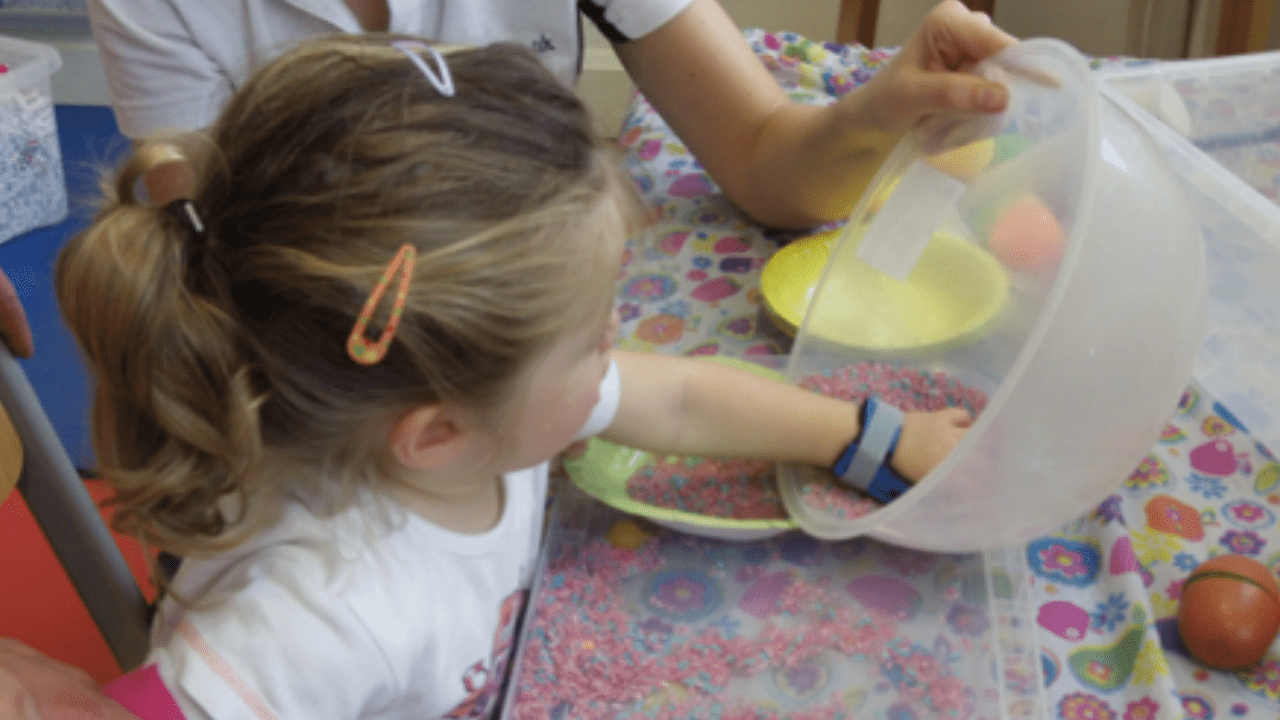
pixel 362 349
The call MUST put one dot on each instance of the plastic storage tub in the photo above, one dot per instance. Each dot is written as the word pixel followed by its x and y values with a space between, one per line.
pixel 33 192
pixel 1237 362
pixel 1218 121
pixel 1103 319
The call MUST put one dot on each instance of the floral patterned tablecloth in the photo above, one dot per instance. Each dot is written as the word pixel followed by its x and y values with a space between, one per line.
pixel 1106 585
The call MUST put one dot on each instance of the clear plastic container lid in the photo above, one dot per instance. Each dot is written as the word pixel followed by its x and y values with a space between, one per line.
pixel 1063 209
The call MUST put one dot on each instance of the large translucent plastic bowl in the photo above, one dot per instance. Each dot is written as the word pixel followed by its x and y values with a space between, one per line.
pixel 1090 353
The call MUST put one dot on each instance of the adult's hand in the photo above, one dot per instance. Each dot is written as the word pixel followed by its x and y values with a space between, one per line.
pixel 34 686
pixel 929 74
pixel 13 321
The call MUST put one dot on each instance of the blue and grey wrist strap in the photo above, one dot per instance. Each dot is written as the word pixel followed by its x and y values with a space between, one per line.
pixel 864 465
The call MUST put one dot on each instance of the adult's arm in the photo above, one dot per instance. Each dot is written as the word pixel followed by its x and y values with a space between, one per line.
pixel 794 165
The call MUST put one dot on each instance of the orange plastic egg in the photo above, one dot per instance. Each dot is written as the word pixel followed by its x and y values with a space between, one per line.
pixel 1229 612
pixel 1027 237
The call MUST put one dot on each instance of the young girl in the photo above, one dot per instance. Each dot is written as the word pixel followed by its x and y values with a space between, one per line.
pixel 332 378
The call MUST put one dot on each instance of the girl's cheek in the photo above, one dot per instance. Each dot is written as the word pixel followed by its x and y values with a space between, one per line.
pixel 611 333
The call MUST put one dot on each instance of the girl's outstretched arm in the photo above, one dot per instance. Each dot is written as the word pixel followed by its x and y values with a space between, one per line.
pixel 684 406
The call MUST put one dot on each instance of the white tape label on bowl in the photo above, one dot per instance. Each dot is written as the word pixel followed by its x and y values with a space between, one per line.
pixel 899 233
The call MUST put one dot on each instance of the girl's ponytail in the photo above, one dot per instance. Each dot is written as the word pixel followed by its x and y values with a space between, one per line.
pixel 176 401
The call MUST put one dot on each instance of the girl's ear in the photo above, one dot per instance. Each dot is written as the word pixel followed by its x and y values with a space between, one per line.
pixel 429 437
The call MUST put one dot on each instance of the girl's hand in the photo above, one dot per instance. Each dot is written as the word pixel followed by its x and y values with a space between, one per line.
pixel 13 322
pixel 929 74
pixel 927 437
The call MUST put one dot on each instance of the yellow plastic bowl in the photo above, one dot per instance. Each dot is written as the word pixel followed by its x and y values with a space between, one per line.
pixel 953 293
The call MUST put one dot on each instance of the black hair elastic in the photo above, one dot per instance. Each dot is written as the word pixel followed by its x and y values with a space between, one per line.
pixel 197 241
pixel 184 211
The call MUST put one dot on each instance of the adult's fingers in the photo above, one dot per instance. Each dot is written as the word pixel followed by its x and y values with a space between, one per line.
pixel 14 330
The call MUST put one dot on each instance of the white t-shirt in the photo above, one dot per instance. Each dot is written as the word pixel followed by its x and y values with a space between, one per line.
pixel 172 64
pixel 350 617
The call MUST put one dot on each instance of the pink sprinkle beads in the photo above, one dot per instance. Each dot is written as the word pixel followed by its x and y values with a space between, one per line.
pixel 907 388
pixel 656 632
pixel 741 489
pixel 836 501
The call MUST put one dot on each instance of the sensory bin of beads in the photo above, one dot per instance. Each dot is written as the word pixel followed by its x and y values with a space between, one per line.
pixel 1091 347
pixel 631 620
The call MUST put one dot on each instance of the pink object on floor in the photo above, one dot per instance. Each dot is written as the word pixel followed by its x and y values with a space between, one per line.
pixel 143 693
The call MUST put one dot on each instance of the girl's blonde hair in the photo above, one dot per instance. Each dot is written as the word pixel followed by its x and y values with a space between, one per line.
pixel 223 382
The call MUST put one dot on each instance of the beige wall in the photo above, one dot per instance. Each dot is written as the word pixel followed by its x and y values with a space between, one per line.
pixel 1149 28
pixel 899 18
pixel 604 85
pixel 1099 27
pixel 1144 28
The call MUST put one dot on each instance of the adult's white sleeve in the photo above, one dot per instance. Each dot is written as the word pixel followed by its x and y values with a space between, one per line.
pixel 623 20
pixel 159 78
